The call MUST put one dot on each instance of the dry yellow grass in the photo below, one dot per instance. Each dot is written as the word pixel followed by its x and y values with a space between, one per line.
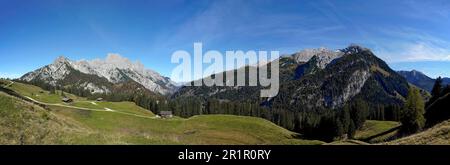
pixel 25 123
pixel 439 134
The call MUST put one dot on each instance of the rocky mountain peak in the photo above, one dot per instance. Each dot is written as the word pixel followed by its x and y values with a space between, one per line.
pixel 327 80
pixel 354 49
pixel 114 68
pixel 316 59
pixel 61 59
pixel 306 54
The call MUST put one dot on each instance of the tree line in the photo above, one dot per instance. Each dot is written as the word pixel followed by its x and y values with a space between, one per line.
pixel 438 107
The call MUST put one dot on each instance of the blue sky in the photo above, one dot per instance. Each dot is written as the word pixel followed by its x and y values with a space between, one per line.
pixel 407 34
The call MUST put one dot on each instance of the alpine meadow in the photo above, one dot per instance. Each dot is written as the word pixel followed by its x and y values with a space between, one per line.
pixel 225 72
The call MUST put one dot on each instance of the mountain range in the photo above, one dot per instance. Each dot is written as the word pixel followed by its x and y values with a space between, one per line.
pixel 355 73
pixel 310 79
pixel 320 78
pixel 101 76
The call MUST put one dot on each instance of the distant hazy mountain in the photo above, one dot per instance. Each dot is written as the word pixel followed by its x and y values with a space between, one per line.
pixel 421 80
pixel 418 79
pixel 317 78
pixel 99 76
pixel 446 80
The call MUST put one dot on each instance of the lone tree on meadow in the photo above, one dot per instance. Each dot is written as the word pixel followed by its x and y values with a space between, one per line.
pixel 412 118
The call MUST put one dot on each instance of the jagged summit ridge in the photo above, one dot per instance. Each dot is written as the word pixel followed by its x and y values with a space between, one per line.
pixel 320 78
pixel 323 53
pixel 354 49
pixel 323 56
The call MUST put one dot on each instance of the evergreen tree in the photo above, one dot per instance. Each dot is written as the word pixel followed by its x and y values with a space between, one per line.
pixel 392 112
pixel 351 130
pixel 446 90
pixel 412 118
pixel 359 113
pixel 437 87
pixel 438 111
pixel 345 118
pixel 435 91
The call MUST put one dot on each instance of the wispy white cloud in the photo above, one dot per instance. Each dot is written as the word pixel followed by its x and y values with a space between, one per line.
pixel 422 51
pixel 408 45
pixel 395 42
pixel 234 21
pixel 231 22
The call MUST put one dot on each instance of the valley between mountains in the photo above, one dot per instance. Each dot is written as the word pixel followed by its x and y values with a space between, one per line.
pixel 346 96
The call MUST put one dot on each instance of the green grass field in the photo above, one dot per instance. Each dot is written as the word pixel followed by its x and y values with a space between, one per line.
pixel 374 127
pixel 208 129
pixel 70 124
pixel 126 107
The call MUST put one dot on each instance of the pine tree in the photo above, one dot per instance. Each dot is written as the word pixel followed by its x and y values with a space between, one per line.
pixel 359 113
pixel 438 111
pixel 351 130
pixel 412 118
pixel 437 87
pixel 345 118
pixel 436 91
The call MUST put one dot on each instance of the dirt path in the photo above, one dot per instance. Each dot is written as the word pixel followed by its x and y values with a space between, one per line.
pixel 12 82
pixel 82 108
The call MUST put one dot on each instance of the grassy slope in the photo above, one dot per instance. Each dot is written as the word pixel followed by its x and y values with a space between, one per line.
pixel 24 123
pixel 45 96
pixel 370 128
pixel 127 107
pixel 76 126
pixel 40 94
pixel 438 134
pixel 210 129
